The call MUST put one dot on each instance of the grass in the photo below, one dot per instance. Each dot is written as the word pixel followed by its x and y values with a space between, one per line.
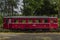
pixel 46 38
pixel 59 22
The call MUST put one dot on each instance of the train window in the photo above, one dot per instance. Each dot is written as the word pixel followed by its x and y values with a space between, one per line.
pixel 30 21
pixel 15 21
pixel 37 21
pixel 23 21
pixel 53 21
pixel 45 21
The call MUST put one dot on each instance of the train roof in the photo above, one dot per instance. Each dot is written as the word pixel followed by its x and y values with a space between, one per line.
pixel 28 17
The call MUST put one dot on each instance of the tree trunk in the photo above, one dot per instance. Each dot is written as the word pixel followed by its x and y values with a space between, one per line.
pixel 12 10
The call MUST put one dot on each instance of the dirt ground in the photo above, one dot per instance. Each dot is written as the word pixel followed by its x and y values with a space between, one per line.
pixel 29 36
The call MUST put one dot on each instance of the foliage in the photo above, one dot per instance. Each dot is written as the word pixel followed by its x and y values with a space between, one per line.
pixel 59 22
pixel 7 6
pixel 39 7
pixel 47 9
pixel 1 21
pixel 30 6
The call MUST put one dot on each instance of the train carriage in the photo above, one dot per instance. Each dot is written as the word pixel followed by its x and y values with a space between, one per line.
pixel 30 22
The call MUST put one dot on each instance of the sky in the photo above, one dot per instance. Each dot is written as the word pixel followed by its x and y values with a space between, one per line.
pixel 19 6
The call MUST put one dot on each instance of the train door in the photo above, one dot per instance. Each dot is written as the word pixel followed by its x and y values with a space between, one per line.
pixel 9 22
pixel 5 23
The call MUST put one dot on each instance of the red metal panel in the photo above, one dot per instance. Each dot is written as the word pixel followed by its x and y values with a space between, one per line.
pixel 29 26
pixel 54 26
pixel 5 26
pixel 33 25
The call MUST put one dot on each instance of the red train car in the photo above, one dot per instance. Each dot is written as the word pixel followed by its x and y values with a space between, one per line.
pixel 30 22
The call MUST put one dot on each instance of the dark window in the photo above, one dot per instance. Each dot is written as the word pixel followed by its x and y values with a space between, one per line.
pixel 15 21
pixel 45 21
pixel 7 21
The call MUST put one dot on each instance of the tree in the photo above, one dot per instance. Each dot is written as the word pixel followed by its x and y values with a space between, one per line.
pixel 47 8
pixel 30 6
pixel 39 7
pixel 59 8
pixel 11 4
pixel 1 7
pixel 8 6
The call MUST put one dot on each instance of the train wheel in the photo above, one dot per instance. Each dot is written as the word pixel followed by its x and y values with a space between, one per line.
pixel 18 30
pixel 38 30
pixel 30 30
pixel 11 29
pixel 45 30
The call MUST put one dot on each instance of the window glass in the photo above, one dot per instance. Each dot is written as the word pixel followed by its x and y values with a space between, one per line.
pixel 15 21
pixel 38 21
pixel 51 21
pixel 45 21
pixel 23 21
pixel 30 21
pixel 54 21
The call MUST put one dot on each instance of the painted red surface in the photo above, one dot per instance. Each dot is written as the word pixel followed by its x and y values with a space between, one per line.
pixel 33 25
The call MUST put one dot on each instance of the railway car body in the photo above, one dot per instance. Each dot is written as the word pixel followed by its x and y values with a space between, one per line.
pixel 30 22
